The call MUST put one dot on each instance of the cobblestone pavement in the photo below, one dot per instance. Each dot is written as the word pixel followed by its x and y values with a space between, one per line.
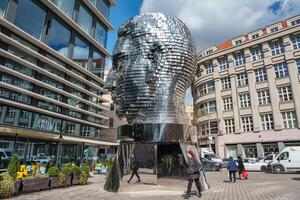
pixel 259 186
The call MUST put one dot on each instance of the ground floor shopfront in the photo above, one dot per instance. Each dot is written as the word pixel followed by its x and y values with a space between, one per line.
pixel 256 145
pixel 31 145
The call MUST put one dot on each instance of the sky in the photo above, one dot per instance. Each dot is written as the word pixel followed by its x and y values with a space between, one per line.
pixel 210 21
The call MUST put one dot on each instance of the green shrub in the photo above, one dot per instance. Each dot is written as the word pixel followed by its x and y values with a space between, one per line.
pixel 85 168
pixel 62 178
pixel 14 166
pixel 53 171
pixel 76 170
pixel 66 170
pixel 83 178
pixel 7 186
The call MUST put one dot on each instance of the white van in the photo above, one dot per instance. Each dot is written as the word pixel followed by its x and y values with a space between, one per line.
pixel 288 160
pixel 209 154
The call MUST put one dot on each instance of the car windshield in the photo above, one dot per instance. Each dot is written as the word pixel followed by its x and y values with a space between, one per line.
pixel 212 156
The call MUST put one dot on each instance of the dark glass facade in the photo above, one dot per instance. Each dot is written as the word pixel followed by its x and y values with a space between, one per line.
pixel 54 90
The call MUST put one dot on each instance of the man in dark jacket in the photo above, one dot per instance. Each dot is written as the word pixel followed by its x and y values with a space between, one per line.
pixel 134 167
pixel 232 168
pixel 193 167
pixel 241 166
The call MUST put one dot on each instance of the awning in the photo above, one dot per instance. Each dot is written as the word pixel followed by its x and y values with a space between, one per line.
pixel 87 140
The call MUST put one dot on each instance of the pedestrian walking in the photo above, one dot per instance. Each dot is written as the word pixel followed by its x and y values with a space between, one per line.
pixel 232 168
pixel 193 171
pixel 241 166
pixel 134 167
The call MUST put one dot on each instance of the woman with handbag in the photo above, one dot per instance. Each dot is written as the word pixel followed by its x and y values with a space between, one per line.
pixel 193 168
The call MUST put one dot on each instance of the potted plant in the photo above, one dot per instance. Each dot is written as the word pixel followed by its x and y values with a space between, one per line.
pixel 75 175
pixel 12 170
pixel 84 174
pixel 6 185
pixel 35 183
pixel 53 173
pixel 65 176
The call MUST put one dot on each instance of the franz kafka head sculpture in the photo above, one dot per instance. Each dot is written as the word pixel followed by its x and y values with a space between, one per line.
pixel 154 62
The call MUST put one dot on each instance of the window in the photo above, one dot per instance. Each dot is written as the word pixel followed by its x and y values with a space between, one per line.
pixel 289 119
pixel 32 23
pixel 209 52
pixel 277 48
pixel 247 124
pixel 260 75
pixel 85 131
pixel 237 42
pixel 257 54
pixel 275 29
pixel 239 59
pixel 285 93
pixel 70 128
pixel 295 22
pixel 281 70
pixel 102 6
pixel 270 148
pixel 207 107
pixel 223 62
pixel 207 87
pixel 111 122
pixel 229 126
pixel 298 65
pixel 208 128
pixel 3 4
pixel 11 112
pixel 226 84
pixel 81 52
pixel 101 34
pixel 227 103
pixel 66 6
pixel 266 122
pixel 255 36
pixel 263 97
pixel 284 156
pixel 209 68
pixel 296 42
pixel 245 100
pixel 242 79
pixel 59 42
pixel 98 64
pixel 85 19
pixel 250 151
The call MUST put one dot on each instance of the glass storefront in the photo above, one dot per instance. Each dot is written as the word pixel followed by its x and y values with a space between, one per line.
pixel 250 151
pixel 270 148
pixel 231 151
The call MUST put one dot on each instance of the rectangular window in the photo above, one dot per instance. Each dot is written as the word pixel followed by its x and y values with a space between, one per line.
pixel 101 34
pixel 263 97
pixel 239 59
pixel 295 22
pixel 32 23
pixel 85 131
pixel 289 119
pixel 229 126
pixel 242 79
pixel 260 75
pixel 266 122
pixel 223 62
pixel 298 65
pixel 102 6
pixel 70 128
pixel 255 36
pixel 296 42
pixel 275 29
pixel 247 124
pixel 285 93
pixel 257 54
pixel 226 84
pixel 227 103
pixel 209 52
pixel 81 52
pixel 59 42
pixel 238 42
pixel 277 48
pixel 209 68
pixel 11 112
pixel 67 6
pixel 98 64
pixel 3 4
pixel 207 107
pixel 245 100
pixel 206 88
pixel 85 19
pixel 281 70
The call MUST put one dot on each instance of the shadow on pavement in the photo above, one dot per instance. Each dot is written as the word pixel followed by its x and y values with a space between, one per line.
pixel 296 179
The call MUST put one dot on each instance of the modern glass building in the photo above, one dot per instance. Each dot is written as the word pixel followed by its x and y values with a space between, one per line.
pixel 52 56
pixel 247 92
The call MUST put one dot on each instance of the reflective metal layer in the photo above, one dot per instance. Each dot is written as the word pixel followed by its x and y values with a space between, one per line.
pixel 154 62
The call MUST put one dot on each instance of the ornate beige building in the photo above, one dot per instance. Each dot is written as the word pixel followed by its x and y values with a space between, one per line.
pixel 247 92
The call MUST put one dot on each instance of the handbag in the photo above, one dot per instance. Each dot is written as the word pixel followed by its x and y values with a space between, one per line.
pixel 245 174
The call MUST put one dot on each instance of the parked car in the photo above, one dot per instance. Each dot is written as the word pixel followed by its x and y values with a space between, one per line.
pixel 225 162
pixel 210 165
pixel 251 164
pixel 288 160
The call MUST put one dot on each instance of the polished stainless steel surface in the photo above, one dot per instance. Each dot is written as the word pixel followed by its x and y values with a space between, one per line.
pixel 154 62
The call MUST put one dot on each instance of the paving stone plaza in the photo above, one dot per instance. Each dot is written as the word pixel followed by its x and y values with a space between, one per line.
pixel 259 186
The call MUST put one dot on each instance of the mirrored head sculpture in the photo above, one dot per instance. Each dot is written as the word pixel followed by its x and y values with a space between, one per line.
pixel 154 62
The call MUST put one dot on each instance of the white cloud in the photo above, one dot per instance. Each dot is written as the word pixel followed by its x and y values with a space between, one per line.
pixel 214 21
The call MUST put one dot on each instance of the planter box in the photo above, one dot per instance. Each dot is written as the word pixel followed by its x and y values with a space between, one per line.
pixel 17 186
pixel 37 184
pixel 67 181
pixel 75 180
pixel 54 182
